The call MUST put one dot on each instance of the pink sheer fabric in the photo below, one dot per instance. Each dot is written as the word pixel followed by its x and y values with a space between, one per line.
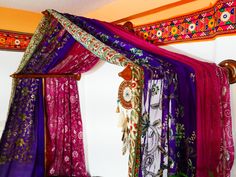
pixel 227 146
pixel 210 124
pixel 65 151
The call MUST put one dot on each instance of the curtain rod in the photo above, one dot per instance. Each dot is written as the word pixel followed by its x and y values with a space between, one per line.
pixel 75 76
pixel 229 64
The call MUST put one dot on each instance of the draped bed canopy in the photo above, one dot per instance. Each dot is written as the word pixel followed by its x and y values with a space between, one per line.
pixel 163 118
pixel 58 46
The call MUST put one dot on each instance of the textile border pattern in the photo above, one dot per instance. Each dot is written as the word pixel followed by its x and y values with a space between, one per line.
pixel 108 54
pixel 14 40
pixel 218 20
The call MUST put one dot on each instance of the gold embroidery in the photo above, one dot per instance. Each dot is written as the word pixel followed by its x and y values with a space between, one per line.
pixel 20 142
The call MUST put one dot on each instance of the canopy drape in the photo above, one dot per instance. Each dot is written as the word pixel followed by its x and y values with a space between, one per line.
pixel 52 44
pixel 178 124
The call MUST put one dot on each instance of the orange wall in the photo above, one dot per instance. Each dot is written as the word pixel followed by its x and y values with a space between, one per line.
pixel 123 8
pixel 18 20
pixel 177 11
pixel 25 21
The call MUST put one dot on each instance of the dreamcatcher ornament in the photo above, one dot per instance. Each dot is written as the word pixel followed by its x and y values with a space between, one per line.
pixel 125 94
pixel 124 106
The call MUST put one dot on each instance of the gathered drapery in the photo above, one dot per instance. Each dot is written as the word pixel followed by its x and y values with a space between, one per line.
pixel 179 121
pixel 65 153
pixel 106 53
pixel 169 101
pixel 208 153
pixel 46 55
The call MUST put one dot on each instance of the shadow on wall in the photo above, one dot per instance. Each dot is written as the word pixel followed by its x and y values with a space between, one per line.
pixel 2 123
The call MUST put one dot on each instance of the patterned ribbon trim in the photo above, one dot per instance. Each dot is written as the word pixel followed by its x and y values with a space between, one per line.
pixel 218 20
pixel 14 40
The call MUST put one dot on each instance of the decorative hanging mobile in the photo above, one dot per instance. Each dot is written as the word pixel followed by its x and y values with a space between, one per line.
pixel 125 90
pixel 124 105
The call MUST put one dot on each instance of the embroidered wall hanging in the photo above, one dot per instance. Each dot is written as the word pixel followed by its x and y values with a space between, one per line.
pixel 218 20
pixel 14 40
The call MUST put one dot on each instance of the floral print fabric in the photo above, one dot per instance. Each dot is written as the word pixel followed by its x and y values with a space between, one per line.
pixel 18 145
pixel 65 152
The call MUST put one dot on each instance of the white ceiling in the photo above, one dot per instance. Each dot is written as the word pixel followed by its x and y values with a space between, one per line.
pixel 76 7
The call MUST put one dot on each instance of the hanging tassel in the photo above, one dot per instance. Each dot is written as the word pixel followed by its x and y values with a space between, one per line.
pixel 125 137
pixel 123 123
pixel 125 142
pixel 121 119
pixel 118 106
pixel 125 146
pixel 117 109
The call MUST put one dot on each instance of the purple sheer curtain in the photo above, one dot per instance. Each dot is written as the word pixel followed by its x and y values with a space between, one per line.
pixel 22 142
pixel 18 146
